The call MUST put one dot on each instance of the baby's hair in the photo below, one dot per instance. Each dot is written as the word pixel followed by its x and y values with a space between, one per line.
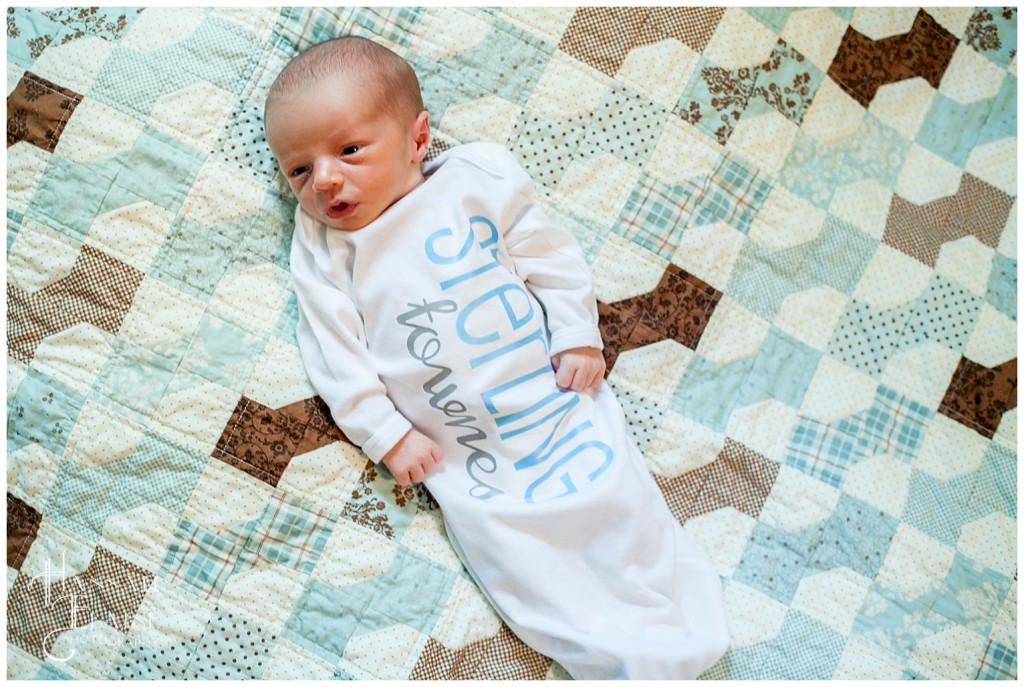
pixel 377 67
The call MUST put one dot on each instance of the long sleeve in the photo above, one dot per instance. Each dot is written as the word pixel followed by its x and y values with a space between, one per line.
pixel 333 348
pixel 550 261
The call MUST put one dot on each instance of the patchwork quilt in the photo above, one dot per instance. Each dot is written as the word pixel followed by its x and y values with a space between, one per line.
pixel 802 227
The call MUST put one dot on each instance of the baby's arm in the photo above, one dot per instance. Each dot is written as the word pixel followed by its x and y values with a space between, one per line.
pixel 551 263
pixel 412 458
pixel 578 369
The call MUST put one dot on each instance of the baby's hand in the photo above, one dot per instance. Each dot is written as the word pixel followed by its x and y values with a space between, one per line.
pixel 578 368
pixel 412 458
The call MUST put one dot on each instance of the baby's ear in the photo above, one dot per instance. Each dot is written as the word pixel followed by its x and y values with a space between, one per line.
pixel 421 136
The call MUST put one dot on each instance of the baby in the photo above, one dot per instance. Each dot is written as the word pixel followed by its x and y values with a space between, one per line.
pixel 452 330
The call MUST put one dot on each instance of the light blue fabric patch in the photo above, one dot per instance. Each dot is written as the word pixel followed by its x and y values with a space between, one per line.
pixel 980 122
pixel 1000 663
pixel 544 146
pixel 631 127
pixel 656 213
pixel 867 337
pixel 59 24
pixel 774 561
pixel 84 497
pixel 814 170
pixel 136 377
pixel 973 594
pixel 878 153
pixel 936 507
pixel 13 227
pixel 992 31
pixel 822 649
pixel 91 183
pixel 1002 285
pixel 774 18
pixel 408 593
pixel 200 561
pixel 708 392
pixel 193 258
pixel 837 257
pixel 131 81
pixel 218 52
pixel 893 425
pixel 42 411
pixel 770 661
pixel 945 314
pixel 995 483
pixel 734 194
pixel 159 169
pixel 782 370
pixel 222 352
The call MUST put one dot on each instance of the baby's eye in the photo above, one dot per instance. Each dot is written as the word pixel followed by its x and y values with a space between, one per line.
pixel 350 150
pixel 298 172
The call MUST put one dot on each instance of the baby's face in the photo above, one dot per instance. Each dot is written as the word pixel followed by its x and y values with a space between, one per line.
pixel 346 159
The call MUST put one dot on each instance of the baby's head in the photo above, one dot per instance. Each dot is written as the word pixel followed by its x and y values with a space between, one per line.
pixel 345 120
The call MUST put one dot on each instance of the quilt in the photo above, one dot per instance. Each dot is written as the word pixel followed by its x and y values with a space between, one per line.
pixel 802 227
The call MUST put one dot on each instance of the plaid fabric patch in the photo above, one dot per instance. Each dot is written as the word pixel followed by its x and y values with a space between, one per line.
pixel 893 425
pixel 501 657
pixel 200 561
pixel 99 290
pixel 1000 663
pixel 738 478
pixel 44 606
pixel 820 450
pixel 655 214
pixel 734 194
pixel 603 36
pixel 299 28
pixel 291 532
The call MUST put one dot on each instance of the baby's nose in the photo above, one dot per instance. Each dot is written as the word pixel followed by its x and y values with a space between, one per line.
pixel 327 175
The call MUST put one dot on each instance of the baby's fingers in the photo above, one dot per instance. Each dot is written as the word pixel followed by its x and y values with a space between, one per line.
pixel 565 376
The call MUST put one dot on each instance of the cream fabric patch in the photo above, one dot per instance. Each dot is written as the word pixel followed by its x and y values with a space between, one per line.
pixel 195 114
pixel 132 233
pixel 811 315
pixel 710 252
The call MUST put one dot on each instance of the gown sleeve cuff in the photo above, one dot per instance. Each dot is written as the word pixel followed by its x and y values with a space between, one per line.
pixel 385 438
pixel 576 337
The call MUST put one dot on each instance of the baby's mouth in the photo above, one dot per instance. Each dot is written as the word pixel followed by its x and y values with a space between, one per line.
pixel 339 209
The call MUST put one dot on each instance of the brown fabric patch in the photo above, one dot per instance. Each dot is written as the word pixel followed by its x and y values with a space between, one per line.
pixel 40 609
pixel 261 441
pixel 38 110
pixel 978 396
pixel 22 527
pixel 501 657
pixel 603 36
pixel 861 65
pixel 99 291
pixel 976 209
pixel 679 308
pixel 738 478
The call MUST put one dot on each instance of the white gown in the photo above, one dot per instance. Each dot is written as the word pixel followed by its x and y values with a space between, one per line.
pixel 443 314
